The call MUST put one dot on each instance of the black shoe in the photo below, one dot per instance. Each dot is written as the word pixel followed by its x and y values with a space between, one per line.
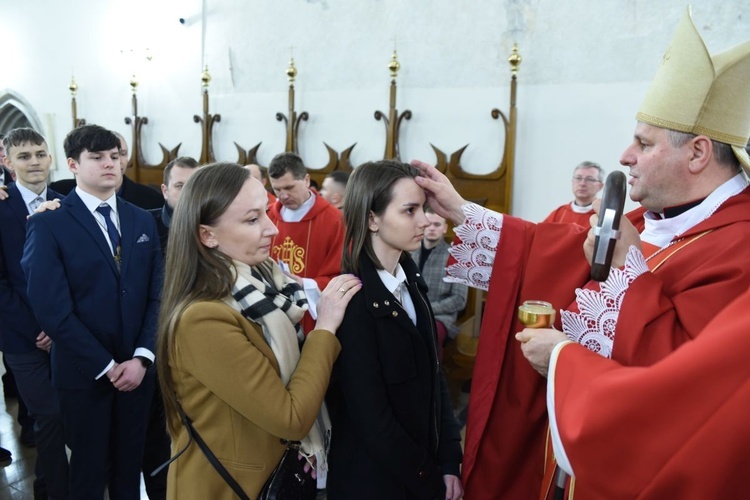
pixel 40 489
pixel 27 436
pixel 4 454
pixel 10 391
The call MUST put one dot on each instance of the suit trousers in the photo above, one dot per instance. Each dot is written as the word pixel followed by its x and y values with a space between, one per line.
pixel 32 372
pixel 106 430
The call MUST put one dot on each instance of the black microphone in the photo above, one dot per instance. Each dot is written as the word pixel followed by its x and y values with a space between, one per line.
pixel 607 231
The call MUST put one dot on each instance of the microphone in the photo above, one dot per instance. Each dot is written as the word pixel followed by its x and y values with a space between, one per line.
pixel 607 230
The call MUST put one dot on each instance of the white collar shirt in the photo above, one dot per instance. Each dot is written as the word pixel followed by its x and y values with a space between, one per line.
pixel 397 286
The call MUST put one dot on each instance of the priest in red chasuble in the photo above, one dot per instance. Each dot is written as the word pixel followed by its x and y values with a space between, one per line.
pixel 588 180
pixel 675 429
pixel 680 259
pixel 311 231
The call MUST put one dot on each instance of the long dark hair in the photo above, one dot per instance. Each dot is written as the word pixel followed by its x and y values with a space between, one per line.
pixel 194 272
pixel 369 190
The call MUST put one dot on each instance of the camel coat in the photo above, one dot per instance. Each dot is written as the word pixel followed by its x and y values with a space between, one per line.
pixel 227 380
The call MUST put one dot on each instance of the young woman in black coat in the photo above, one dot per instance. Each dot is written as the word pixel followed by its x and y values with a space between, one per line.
pixel 394 433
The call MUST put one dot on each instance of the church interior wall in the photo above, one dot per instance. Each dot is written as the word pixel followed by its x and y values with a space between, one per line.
pixel 586 67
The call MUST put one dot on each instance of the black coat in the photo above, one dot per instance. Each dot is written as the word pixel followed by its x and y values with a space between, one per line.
pixel 163 219
pixel 394 433
pixel 139 195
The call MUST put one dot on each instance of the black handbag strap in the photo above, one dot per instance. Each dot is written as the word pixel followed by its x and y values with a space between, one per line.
pixel 211 457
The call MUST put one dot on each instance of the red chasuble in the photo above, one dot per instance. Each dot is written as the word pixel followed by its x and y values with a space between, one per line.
pixel 311 247
pixel 565 214
pixel 677 429
pixel 507 423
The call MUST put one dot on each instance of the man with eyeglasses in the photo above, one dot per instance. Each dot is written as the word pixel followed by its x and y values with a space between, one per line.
pixel 588 180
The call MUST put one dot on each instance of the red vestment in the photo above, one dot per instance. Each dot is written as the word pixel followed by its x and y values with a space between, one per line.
pixel 312 247
pixel 507 422
pixel 677 429
pixel 565 214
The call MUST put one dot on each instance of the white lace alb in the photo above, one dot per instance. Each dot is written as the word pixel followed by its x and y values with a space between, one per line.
pixel 594 326
pixel 475 255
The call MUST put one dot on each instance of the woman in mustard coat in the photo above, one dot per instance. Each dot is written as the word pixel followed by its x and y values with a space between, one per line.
pixel 229 346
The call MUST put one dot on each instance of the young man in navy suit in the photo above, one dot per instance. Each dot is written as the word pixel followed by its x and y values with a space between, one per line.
pixel 6 176
pixel 94 278
pixel 24 344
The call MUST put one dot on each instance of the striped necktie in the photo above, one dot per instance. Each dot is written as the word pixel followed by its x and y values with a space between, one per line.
pixel 34 204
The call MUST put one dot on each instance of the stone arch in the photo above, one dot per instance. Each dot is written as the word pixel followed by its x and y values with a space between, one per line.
pixel 15 111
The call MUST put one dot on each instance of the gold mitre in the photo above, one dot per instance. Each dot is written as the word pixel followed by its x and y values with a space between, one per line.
pixel 697 93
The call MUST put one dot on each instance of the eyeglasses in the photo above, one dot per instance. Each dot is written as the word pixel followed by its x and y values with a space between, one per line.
pixel 587 180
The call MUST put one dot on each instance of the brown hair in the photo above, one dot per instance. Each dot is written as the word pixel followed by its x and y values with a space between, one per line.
pixel 193 271
pixel 182 162
pixel 369 190
pixel 284 163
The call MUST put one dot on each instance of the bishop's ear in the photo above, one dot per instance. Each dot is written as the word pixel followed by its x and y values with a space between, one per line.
pixel 701 152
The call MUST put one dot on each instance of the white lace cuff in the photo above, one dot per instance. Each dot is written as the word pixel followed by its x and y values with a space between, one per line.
pixel 594 326
pixel 475 255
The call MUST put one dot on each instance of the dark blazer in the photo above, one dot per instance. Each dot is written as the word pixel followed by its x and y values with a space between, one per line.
pixel 394 434
pixel 7 176
pixel 19 326
pixel 64 186
pixel 163 218
pixel 92 311
pixel 139 195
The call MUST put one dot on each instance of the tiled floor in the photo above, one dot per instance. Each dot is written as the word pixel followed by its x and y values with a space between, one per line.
pixel 16 475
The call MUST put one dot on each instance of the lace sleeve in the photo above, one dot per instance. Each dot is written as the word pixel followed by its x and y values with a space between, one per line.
pixel 475 254
pixel 594 326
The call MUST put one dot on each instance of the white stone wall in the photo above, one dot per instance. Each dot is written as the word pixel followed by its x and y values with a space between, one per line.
pixel 586 66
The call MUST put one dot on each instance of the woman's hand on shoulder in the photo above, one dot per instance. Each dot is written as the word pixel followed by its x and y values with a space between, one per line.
pixel 334 299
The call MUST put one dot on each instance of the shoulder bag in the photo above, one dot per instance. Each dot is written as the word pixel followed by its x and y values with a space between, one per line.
pixel 288 480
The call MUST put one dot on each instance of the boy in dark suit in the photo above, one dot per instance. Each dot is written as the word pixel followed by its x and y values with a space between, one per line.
pixel 24 344
pixel 94 278
pixel 6 176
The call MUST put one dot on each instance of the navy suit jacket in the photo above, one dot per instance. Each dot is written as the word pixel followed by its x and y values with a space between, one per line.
pixel 93 312
pixel 19 327
pixel 7 177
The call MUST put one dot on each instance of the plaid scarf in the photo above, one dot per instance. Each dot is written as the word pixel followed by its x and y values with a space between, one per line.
pixel 261 293
pixel 266 296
